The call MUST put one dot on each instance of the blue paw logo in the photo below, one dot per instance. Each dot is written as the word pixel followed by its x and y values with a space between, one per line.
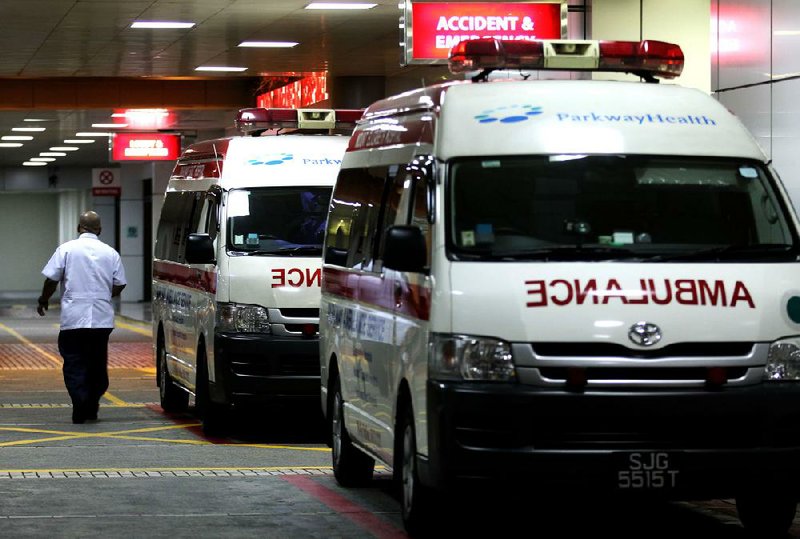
pixel 509 114
pixel 272 160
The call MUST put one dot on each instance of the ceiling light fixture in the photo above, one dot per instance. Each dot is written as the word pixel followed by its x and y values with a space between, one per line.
pixel 91 134
pixel 52 154
pixel 269 44
pixel 10 144
pixel 29 129
pixel 162 25
pixel 34 164
pixel 78 141
pixel 339 5
pixel 43 159
pixel 64 149
pixel 109 126
pixel 16 137
pixel 221 68
pixel 36 120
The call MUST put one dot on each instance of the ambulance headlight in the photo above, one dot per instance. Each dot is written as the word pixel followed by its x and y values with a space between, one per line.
pixel 462 357
pixel 783 362
pixel 236 318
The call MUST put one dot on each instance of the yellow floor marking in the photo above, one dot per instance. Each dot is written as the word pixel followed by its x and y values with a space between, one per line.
pixel 54 359
pixel 148 332
pixel 127 435
pixel 50 357
pixel 166 469
pixel 147 370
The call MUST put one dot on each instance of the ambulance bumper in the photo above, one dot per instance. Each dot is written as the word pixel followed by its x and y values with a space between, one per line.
pixel 254 368
pixel 679 444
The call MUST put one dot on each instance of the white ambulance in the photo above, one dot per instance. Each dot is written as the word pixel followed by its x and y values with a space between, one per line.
pixel 566 285
pixel 236 269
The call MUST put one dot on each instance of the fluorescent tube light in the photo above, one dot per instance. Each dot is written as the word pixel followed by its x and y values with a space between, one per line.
pixel 339 5
pixel 34 164
pixel 269 44
pixel 15 137
pixel 78 141
pixel 10 144
pixel 64 148
pixel 220 68
pixel 43 159
pixel 162 25
pixel 29 129
pixel 52 154
pixel 109 126
pixel 92 134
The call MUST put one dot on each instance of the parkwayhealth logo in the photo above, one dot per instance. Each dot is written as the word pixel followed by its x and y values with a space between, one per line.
pixel 637 119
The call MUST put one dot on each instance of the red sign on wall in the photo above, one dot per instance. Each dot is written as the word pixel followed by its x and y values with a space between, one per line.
pixel 145 147
pixel 433 28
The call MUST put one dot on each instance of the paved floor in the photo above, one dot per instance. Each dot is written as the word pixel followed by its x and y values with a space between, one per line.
pixel 138 472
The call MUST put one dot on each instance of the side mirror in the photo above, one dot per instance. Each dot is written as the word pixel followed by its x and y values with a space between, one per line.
pixel 199 249
pixel 405 249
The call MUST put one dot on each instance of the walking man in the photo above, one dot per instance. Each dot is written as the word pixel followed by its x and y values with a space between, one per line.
pixel 90 273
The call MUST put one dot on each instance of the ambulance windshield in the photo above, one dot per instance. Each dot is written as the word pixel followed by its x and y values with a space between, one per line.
pixel 284 221
pixel 630 208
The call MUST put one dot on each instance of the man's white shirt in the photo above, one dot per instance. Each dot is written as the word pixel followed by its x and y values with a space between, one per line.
pixel 87 268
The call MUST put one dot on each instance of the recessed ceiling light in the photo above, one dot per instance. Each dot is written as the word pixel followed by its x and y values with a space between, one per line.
pixel 91 134
pixel 78 141
pixel 43 159
pixel 109 126
pixel 162 24
pixel 64 148
pixel 34 164
pixel 220 68
pixel 10 144
pixel 786 32
pixel 29 129
pixel 339 5
pixel 269 44
pixel 36 120
pixel 52 154
pixel 16 137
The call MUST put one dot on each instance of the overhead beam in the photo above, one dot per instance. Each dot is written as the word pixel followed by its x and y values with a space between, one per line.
pixel 117 92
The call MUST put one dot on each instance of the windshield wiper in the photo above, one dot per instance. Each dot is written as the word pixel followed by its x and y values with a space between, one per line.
pixel 730 252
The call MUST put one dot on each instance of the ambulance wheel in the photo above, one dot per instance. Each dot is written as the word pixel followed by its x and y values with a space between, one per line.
pixel 212 414
pixel 173 398
pixel 765 514
pixel 351 467
pixel 416 499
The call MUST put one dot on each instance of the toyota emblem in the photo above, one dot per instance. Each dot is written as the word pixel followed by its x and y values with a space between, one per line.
pixel 644 334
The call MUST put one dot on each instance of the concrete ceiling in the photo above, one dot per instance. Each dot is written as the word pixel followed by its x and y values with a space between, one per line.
pixel 45 42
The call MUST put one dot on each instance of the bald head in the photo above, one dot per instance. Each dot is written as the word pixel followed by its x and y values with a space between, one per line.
pixel 89 222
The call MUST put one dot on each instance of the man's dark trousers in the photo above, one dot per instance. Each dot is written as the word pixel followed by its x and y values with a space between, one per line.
pixel 85 353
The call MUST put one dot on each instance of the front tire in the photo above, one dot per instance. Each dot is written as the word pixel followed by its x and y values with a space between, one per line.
pixel 351 467
pixel 213 415
pixel 172 398
pixel 416 498
pixel 766 515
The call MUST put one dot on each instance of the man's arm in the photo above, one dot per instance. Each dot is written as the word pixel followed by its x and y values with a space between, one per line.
pixel 48 289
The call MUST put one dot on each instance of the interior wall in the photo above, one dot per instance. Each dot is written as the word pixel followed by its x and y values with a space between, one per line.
pixel 30 225
pixel 756 74
pixel 685 22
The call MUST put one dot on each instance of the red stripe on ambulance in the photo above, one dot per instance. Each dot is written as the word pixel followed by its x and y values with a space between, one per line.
pixel 563 292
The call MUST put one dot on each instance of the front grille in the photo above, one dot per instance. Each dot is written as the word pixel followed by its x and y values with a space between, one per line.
pixel 689 349
pixel 300 312
pixel 641 373
pixel 281 365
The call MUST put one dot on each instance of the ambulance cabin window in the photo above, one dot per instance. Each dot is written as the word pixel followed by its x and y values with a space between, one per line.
pixel 178 219
pixel 356 216
pixel 286 221
pixel 576 207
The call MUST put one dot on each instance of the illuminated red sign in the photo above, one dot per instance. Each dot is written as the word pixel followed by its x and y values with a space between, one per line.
pixel 308 90
pixel 437 26
pixel 145 147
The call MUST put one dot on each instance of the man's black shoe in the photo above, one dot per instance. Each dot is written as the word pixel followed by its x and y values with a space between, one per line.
pixel 91 411
pixel 77 416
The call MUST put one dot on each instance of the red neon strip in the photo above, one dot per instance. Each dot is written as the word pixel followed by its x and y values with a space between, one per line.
pixel 413 301
pixel 178 274
pixel 358 514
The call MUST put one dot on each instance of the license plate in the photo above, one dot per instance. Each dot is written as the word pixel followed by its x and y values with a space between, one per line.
pixel 648 470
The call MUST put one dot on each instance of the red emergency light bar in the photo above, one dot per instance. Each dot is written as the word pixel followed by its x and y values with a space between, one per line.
pixel 260 119
pixel 647 59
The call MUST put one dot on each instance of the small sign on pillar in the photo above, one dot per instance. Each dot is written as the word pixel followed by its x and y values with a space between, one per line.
pixel 106 182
